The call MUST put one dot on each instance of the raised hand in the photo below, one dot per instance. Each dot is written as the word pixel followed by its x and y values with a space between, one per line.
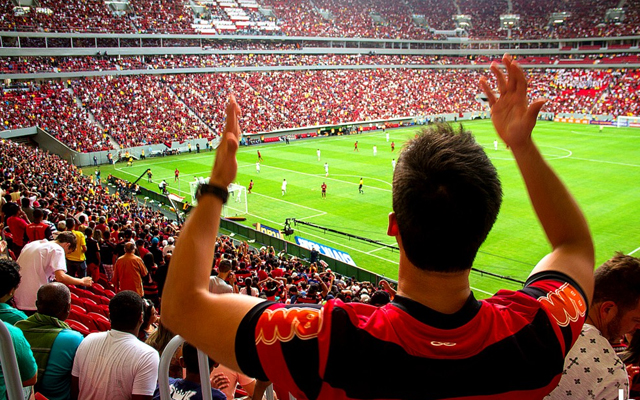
pixel 225 167
pixel 511 114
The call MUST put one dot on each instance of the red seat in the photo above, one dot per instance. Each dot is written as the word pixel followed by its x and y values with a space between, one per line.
pixel 78 291
pixel 109 293
pixel 78 308
pixel 77 301
pixel 97 308
pixel 78 327
pixel 38 396
pixel 84 319
pixel 100 321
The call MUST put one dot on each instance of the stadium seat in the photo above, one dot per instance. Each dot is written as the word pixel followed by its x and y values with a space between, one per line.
pixel 77 300
pixel 39 396
pixel 109 293
pixel 78 308
pixel 97 308
pixel 100 321
pixel 78 326
pixel 85 319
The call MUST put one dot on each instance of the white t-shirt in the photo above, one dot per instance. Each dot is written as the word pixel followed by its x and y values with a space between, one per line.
pixel 115 365
pixel 219 286
pixel 39 261
pixel 284 186
pixel 592 370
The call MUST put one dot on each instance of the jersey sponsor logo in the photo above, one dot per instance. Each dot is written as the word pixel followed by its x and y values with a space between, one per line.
pixel 565 304
pixel 282 324
pixel 446 344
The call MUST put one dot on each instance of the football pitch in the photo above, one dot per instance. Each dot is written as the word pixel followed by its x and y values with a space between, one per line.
pixel 601 169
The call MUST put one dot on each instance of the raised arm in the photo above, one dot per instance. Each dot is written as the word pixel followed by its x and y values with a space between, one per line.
pixel 206 320
pixel 561 218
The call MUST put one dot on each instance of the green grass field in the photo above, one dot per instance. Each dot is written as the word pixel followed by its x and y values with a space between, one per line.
pixel 602 170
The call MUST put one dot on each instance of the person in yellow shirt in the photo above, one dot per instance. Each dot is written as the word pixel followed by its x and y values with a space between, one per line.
pixel 76 264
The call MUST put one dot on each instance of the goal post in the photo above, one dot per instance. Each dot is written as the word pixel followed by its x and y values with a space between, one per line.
pixel 236 204
pixel 628 122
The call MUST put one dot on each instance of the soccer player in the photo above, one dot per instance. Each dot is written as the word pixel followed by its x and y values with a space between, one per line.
pixel 324 190
pixel 149 176
pixel 176 175
pixel 495 145
pixel 258 167
pixel 387 135
pixel 393 164
pixel 318 153
pixel 260 156
pixel 360 187
pixel 375 150
pixel 326 169
pixel 284 187
pixel 393 146
pixel 250 186
pixel 355 146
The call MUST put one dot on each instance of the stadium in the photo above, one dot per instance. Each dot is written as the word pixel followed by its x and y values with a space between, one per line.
pixel 113 113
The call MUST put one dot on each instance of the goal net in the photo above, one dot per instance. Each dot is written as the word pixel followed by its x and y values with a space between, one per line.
pixel 626 122
pixel 236 204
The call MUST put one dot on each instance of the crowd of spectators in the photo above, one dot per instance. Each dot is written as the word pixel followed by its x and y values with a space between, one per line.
pixel 151 109
pixel 50 188
pixel 138 110
pixel 53 108
pixel 26 65
pixel 332 18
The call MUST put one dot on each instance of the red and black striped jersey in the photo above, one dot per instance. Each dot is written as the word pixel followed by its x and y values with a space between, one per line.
pixel 510 346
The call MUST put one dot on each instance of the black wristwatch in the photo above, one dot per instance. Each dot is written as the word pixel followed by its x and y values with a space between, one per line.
pixel 221 193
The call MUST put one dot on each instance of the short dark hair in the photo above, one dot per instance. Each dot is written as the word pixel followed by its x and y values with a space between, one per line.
pixel 446 197
pixel 190 358
pixel 224 266
pixel 9 276
pixel 618 280
pixel 68 237
pixel 53 299
pixel 125 309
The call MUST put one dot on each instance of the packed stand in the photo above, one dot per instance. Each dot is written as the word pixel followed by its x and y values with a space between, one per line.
pixel 65 16
pixel 53 108
pixel 27 65
pixel 138 110
pixel 165 16
pixel 30 65
pixel 485 17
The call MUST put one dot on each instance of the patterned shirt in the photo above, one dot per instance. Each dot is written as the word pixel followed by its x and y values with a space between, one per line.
pixel 592 370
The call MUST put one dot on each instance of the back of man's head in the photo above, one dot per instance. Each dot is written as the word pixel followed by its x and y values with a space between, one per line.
pixel 9 276
pixel 38 215
pixel 71 223
pixel 618 280
pixel 67 237
pixel 446 197
pixel 129 247
pixel 54 300
pixel 190 359
pixel 224 266
pixel 125 311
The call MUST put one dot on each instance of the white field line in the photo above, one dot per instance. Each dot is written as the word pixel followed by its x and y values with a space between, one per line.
pixel 634 251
